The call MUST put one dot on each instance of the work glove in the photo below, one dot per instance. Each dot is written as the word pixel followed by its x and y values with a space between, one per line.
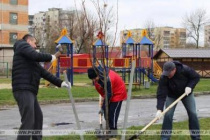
pixel 101 112
pixel 53 58
pixel 188 90
pixel 65 85
pixel 158 114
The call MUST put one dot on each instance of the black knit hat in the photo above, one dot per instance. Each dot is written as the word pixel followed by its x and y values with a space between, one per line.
pixel 91 73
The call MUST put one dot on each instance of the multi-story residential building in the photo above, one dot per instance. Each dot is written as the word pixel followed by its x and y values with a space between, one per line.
pixel 13 26
pixel 44 23
pixel 31 24
pixel 48 24
pixel 207 36
pixel 135 34
pixel 163 37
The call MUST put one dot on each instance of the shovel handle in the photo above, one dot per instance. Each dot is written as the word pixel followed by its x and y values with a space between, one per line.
pixel 156 118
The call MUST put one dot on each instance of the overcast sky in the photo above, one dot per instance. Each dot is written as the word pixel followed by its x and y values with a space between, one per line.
pixel 134 13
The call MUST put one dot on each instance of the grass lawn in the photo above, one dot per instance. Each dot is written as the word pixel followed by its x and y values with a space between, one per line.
pixel 79 92
pixel 5 80
pixel 204 125
pixel 78 78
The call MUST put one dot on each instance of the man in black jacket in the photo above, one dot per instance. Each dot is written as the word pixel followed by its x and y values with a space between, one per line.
pixel 175 80
pixel 26 74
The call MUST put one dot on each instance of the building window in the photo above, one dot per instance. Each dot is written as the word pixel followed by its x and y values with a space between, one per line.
pixel 12 38
pixel 13 18
pixel 166 33
pixel 14 2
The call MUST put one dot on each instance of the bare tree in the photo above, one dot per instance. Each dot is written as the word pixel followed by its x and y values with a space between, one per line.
pixel 158 38
pixel 84 32
pixel 194 23
pixel 105 21
pixel 150 26
pixel 190 45
pixel 154 33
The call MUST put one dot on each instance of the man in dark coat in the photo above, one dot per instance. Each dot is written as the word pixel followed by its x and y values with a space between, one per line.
pixel 175 80
pixel 26 74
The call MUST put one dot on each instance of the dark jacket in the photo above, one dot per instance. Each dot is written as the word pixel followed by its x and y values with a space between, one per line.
pixel 175 86
pixel 26 70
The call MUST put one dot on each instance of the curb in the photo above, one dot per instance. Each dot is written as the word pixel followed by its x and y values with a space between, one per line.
pixel 77 100
pixel 96 99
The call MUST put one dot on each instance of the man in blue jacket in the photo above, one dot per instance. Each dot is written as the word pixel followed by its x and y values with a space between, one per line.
pixel 26 74
pixel 175 80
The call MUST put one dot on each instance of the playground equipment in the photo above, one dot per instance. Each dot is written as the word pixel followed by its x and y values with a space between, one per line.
pixel 103 56
pixel 66 41
pixel 144 65
pixel 157 70
pixel 144 72
pixel 66 61
pixel 51 69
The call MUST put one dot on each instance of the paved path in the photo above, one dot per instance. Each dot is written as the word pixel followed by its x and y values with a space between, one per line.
pixel 142 111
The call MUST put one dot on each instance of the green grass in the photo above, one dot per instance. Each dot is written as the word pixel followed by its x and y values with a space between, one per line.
pixel 204 125
pixel 79 92
pixel 51 94
pixel 203 85
pixel 78 78
pixel 5 80
pixel 81 78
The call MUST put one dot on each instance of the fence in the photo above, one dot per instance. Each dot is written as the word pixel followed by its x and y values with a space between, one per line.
pixel 4 69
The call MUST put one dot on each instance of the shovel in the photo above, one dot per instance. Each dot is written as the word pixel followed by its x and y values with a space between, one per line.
pixel 156 118
pixel 100 135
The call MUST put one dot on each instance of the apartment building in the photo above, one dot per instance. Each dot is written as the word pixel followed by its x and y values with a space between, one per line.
pixel 31 24
pixel 13 26
pixel 207 36
pixel 163 37
pixel 135 34
pixel 48 24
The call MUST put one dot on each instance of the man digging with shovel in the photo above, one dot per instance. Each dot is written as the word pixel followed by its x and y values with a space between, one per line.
pixel 177 79
pixel 116 94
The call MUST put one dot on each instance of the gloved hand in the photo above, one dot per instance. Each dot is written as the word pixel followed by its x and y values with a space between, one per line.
pixel 188 90
pixel 158 114
pixel 53 58
pixel 101 112
pixel 65 85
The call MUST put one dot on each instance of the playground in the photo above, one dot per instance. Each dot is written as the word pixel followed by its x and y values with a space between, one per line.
pixel 57 107
pixel 146 70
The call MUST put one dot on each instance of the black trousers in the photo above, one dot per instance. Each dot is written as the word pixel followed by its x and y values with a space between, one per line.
pixel 31 115
pixel 114 111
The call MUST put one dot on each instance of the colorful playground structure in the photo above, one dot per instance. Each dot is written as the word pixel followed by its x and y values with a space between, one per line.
pixel 146 68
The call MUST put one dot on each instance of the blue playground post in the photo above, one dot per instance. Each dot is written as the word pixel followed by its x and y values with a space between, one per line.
pixel 149 73
pixel 98 44
pixel 130 43
pixel 65 40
